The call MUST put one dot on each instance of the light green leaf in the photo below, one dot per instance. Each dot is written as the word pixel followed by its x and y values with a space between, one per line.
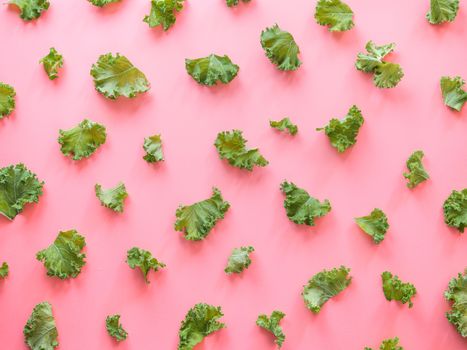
pixel 389 344
pixel 163 13
pixel 30 9
pixel 199 322
pixel 239 260
pixel 198 219
pixel 271 324
pixel 153 147
pixel 375 224
pixel 211 69
pixel 116 76
pixel 455 210
pixel 456 294
pixel 102 3
pixel 453 93
pixel 143 259
pixel 395 289
pixel 114 328
pixel 18 186
pixel 281 48
pixel 4 270
pixel 232 3
pixel 40 331
pixel 335 14
pixel 387 75
pixel 417 173
pixel 112 198
pixel 82 140
pixel 52 62
pixel 7 100
pixel 63 258
pixel 442 11
pixel 283 125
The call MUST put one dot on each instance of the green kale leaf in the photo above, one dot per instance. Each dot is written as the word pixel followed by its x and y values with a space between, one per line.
pixel 271 324
pixel 442 11
pixel 417 173
pixel 375 224
pixel 211 69
pixel 335 14
pixel 30 9
pixel 52 62
pixel 455 210
pixel 163 13
pixel 116 76
pixel 40 331
pixel 395 289
pixel 232 3
pixel 82 140
pixel 4 270
pixel 300 207
pixel 281 48
pixel 114 328
pixel 18 186
pixel 453 93
pixel 457 295
pixel 102 3
pixel 63 258
pixel 231 145
pixel 7 100
pixel 153 147
pixel 143 259
pixel 199 322
pixel 239 260
pixel 343 133
pixel 112 198
pixel 324 285
pixel 389 344
pixel 386 74
pixel 198 219
pixel 283 125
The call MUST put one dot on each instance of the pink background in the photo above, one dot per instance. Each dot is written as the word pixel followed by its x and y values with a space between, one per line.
pixel 419 247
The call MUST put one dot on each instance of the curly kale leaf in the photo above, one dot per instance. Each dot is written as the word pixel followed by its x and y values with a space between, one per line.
pixel 153 147
pixel 211 69
pixel 199 322
pixel 389 344
pixel 40 331
pixel 283 125
pixel 232 3
pixel 455 210
pixel 335 14
pixel 281 48
pixel 52 62
pixel 82 140
pixel 442 11
pixel 457 295
pixel 300 207
pixel 324 285
pixel 395 289
pixel 231 145
pixel 143 259
pixel 198 219
pixel 4 270
pixel 7 100
pixel 163 13
pixel 386 74
pixel 18 186
pixel 417 173
pixel 63 258
pixel 102 3
pixel 239 260
pixel 454 95
pixel 375 224
pixel 112 198
pixel 114 328
pixel 271 324
pixel 116 76
pixel 30 9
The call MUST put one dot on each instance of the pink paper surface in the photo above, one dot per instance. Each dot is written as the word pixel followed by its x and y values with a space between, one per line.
pixel 419 247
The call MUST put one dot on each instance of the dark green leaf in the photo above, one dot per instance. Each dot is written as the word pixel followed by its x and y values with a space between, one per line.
pixel 211 69
pixel 280 48
pixel 143 259
pixel 82 140
pixel 375 224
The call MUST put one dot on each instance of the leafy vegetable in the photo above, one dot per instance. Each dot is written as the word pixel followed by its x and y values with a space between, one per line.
pixel 143 259
pixel 300 207
pixel 442 11
pixel 343 133
pixel 63 258
pixel 457 295
pixel 232 146
pixel 153 147
pixel 212 69
pixel 386 74
pixel 114 328
pixel 82 140
pixel 112 198
pixel 102 3
pixel 4 270
pixel 375 224
pixel 335 14
pixel 30 9
pixel 18 186
pixel 395 289
pixel 389 344
pixel 455 210
pixel 324 285
pixel 52 62
pixel 453 93
pixel 163 13
pixel 198 219
pixel 283 125
pixel 40 331
pixel 199 322
pixel 7 100
pixel 239 260
pixel 271 324
pixel 280 48
pixel 116 76
pixel 417 173
pixel 232 3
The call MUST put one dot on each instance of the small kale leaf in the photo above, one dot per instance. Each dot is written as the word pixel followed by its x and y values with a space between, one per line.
pixel 30 9
pixel 395 289
pixel 454 95
pixel 417 173
pixel 52 62
pixel 153 147
pixel 211 69
pixel 271 324
pixel 283 125
pixel 4 270
pixel 442 11
pixel 232 3
pixel 281 48
pixel 375 224
pixel 40 331
pixel 82 140
pixel 143 259
pixel 457 295
pixel 389 344
pixel 114 328
pixel 239 260
pixel 455 210
pixel 112 198
pixel 102 3
pixel 7 100
pixel 163 13
pixel 335 14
